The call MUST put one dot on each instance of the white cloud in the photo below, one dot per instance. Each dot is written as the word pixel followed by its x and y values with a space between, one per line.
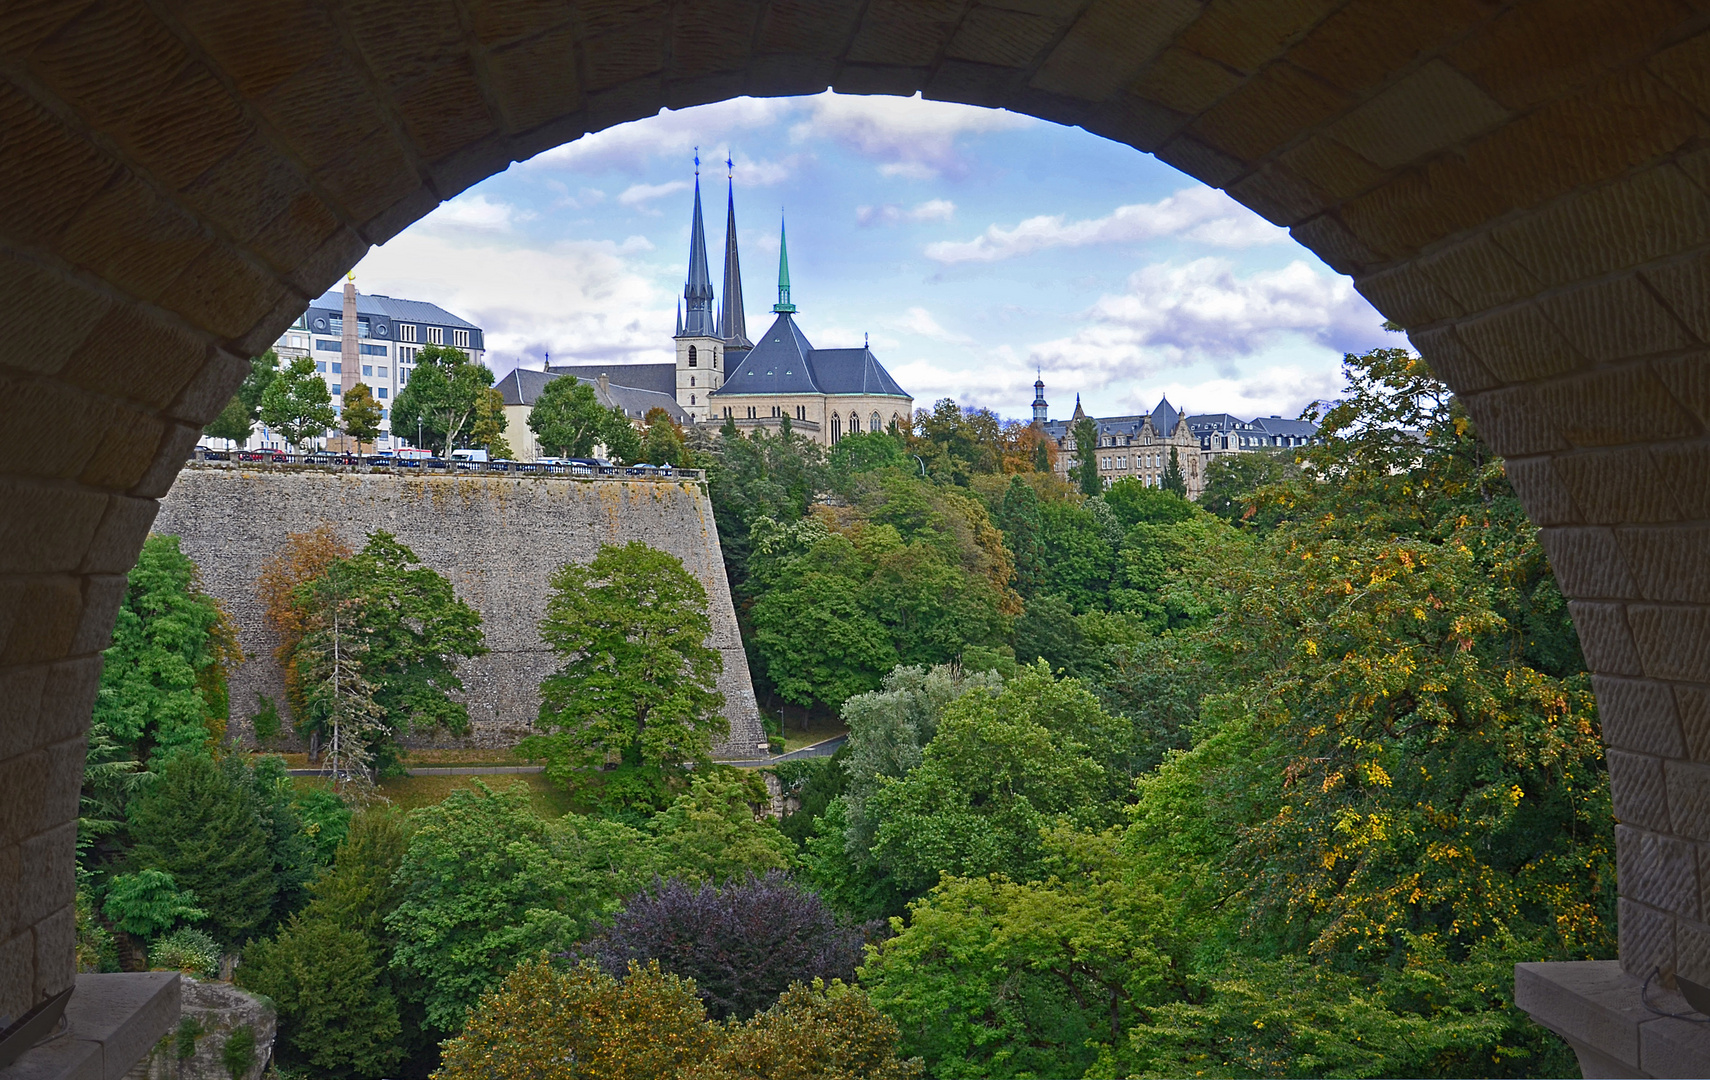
pixel 910 138
pixel 579 300
pixel 474 212
pixel 1172 315
pixel 893 213
pixel 917 320
pixel 1280 390
pixel 630 148
pixel 636 194
pixel 1197 213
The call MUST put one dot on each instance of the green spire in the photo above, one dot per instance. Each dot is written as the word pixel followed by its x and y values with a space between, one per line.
pixel 783 305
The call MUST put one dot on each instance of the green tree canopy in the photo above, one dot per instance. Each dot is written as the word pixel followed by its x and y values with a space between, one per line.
pixel 446 394
pixel 327 970
pixel 397 630
pixel 361 415
pixel 1085 433
pixel 200 824
pixel 297 404
pixel 236 421
pixel 163 679
pixel 567 419
pixel 637 681
pixel 486 883
pixel 663 442
pixel 999 770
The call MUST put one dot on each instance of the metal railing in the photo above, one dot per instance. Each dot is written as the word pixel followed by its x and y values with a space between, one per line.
pixel 415 466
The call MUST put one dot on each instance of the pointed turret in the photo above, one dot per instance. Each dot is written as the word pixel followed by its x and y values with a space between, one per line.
pixel 732 322
pixel 783 306
pixel 1039 407
pixel 698 294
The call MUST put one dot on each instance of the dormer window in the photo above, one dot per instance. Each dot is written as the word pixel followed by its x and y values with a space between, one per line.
pixel 692 361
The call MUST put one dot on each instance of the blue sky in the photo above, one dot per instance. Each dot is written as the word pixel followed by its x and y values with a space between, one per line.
pixel 973 245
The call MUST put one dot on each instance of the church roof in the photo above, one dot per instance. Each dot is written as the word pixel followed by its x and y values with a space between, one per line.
pixel 523 386
pixel 783 361
pixel 698 313
pixel 732 321
pixel 660 378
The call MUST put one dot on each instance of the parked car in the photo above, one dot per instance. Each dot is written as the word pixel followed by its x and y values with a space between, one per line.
pixel 215 455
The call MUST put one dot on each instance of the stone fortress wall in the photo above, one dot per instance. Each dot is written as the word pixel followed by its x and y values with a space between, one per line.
pixel 498 539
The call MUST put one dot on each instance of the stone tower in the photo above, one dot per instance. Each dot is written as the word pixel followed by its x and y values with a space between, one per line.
pixel 700 349
pixel 1039 408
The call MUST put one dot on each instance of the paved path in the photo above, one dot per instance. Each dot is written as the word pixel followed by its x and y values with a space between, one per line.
pixel 819 749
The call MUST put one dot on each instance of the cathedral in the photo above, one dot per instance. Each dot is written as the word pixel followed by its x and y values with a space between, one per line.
pixel 720 374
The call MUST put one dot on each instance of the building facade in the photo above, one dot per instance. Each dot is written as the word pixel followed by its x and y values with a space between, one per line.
pixel 824 393
pixel 1130 446
pixel 523 387
pixel 368 338
pixel 1139 446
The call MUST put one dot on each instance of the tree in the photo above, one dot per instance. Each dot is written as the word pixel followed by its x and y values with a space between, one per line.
pixel 815 1032
pixel 237 420
pixel 1135 503
pixel 998 770
pixel 1235 486
pixel 713 831
pixel 198 824
pixel 488 431
pixel 1173 480
pixel 621 440
pixel 567 418
pixel 742 943
pixel 487 883
pixel 637 682
pixel 1085 433
pixel 149 903
pixel 377 640
pixel 327 969
pixel 297 403
pixel 998 978
pixel 303 558
pixel 1023 527
pixel 582 1023
pixel 447 395
pixel 163 679
pixel 361 415
pixel 662 444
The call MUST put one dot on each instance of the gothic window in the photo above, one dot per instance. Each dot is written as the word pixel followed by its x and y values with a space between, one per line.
pixel 836 427
pixel 854 423
pixel 691 399
pixel 691 356
pixel 874 424
pixel 691 380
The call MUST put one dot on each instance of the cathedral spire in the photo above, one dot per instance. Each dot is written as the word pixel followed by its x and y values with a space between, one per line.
pixel 698 314
pixel 732 322
pixel 783 306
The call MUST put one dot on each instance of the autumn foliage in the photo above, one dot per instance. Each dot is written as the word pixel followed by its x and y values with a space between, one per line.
pixel 304 557
pixel 547 1024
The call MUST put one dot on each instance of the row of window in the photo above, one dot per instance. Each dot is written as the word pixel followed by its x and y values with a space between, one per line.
pixel 334 324
pixel 875 422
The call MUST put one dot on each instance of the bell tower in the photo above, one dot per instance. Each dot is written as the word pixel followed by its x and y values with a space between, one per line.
pixel 700 349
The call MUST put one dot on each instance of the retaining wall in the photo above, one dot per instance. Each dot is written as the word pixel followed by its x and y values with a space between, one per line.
pixel 498 539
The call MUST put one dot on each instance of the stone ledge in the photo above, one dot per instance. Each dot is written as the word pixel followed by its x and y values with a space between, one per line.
pixel 1597 1008
pixel 112 1023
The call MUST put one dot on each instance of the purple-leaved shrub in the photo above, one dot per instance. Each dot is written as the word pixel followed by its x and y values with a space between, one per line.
pixel 743 943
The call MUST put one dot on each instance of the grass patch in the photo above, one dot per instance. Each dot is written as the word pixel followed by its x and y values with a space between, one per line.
pixel 430 758
pixel 410 792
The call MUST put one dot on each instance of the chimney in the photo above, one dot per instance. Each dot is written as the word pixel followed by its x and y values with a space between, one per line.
pixel 605 384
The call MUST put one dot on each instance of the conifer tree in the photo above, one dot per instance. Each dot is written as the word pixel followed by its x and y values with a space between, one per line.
pixel 1085 433
pixel 195 823
pixel 1173 479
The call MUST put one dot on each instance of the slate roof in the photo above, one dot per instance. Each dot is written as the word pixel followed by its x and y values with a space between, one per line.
pixel 524 386
pixel 783 361
pixel 419 311
pixel 660 378
pixel 1277 425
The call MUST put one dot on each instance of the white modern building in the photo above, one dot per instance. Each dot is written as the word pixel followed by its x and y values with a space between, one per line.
pixel 386 334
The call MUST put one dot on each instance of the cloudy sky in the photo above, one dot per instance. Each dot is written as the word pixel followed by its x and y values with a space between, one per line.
pixel 973 246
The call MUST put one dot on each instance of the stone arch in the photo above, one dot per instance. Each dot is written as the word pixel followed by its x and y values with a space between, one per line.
pixel 1522 185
